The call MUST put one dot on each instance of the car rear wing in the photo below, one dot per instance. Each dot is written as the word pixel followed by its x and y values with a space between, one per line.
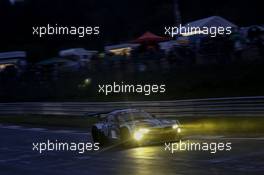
pixel 99 115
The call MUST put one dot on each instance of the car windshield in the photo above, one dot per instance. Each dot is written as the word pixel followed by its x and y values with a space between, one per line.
pixel 134 116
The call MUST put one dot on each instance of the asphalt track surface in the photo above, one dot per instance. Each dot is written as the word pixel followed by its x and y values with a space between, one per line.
pixel 18 158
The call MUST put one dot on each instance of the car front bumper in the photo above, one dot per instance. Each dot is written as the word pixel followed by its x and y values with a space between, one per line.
pixel 159 135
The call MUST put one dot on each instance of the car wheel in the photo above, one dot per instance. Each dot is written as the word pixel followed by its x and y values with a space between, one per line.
pixel 125 137
pixel 98 137
pixel 178 137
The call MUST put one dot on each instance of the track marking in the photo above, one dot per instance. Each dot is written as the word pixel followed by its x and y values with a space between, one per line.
pixel 18 158
pixel 11 127
pixel 204 137
pixel 63 131
pixel 84 157
pixel 232 158
pixel 21 128
pixel 222 138
pixel 36 129
pixel 244 138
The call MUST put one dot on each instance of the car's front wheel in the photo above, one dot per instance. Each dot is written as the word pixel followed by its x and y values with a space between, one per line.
pixel 178 137
pixel 126 138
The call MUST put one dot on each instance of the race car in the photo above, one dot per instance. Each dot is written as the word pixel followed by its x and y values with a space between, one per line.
pixel 135 127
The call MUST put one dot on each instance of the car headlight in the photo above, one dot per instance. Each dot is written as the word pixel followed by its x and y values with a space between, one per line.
pixel 143 130
pixel 138 135
pixel 179 130
pixel 175 126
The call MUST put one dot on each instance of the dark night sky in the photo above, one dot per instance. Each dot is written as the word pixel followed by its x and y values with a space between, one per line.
pixel 119 20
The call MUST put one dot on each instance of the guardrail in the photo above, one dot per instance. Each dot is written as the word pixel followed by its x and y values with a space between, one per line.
pixel 240 106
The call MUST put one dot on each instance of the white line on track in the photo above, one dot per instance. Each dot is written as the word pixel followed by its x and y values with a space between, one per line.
pixel 203 137
pixel 21 128
pixel 12 127
pixel 18 158
pixel 222 138
pixel 36 129
pixel 244 138
pixel 237 157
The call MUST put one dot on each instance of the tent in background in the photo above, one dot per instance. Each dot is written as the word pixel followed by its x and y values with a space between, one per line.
pixel 213 21
pixel 149 37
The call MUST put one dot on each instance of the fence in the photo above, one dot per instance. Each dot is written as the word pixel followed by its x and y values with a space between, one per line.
pixel 231 106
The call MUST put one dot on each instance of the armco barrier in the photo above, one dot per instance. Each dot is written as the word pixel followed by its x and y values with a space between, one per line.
pixel 237 106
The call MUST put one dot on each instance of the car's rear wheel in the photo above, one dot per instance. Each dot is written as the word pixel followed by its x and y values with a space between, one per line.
pixel 98 136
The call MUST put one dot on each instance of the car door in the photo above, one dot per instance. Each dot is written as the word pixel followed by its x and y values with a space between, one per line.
pixel 113 127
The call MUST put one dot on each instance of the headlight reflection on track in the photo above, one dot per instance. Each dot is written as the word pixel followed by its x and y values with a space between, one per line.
pixel 144 152
pixel 148 160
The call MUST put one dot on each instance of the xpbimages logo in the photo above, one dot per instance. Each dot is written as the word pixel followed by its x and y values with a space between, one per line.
pixel 80 31
pixel 49 146
pixel 146 89
pixel 212 147
pixel 193 30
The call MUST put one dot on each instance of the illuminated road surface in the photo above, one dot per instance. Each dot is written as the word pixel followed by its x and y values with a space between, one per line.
pixel 17 157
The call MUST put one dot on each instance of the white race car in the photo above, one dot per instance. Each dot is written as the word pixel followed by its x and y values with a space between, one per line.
pixel 135 127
